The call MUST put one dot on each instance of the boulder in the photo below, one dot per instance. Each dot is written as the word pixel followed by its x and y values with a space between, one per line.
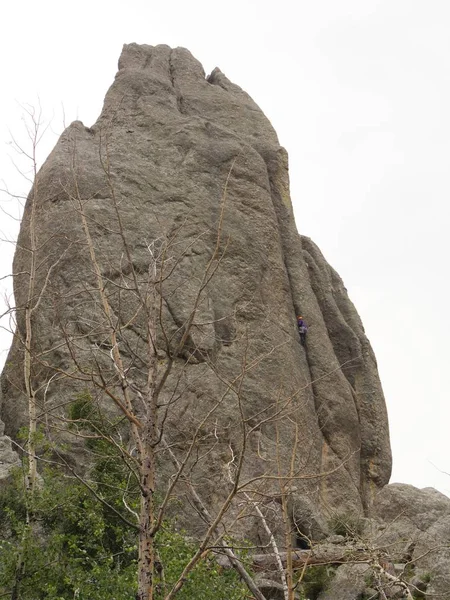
pixel 8 456
pixel 349 583
pixel 414 527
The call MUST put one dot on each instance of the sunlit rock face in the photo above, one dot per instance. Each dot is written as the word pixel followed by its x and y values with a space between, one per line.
pixel 184 173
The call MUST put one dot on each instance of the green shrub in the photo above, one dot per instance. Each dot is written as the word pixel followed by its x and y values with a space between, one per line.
pixel 417 594
pixel 316 579
pixel 347 525
pixel 84 550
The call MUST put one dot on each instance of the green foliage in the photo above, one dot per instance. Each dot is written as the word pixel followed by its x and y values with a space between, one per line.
pixel 82 549
pixel 86 416
pixel 421 595
pixel 316 579
pixel 209 581
pixel 82 409
pixel 346 524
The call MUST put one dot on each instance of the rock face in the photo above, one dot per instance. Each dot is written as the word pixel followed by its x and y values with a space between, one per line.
pixel 414 526
pixel 348 584
pixel 408 534
pixel 178 165
pixel 8 457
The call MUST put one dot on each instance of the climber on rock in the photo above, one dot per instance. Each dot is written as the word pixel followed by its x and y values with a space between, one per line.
pixel 302 329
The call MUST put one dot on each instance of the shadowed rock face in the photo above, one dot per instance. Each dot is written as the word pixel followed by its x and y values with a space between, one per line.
pixel 176 149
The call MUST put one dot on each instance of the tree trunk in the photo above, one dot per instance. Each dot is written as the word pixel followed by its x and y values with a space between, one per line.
pixel 146 560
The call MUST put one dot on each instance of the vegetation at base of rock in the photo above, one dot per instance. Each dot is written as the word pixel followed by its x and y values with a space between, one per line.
pixel 420 594
pixel 347 525
pixel 84 550
pixel 315 580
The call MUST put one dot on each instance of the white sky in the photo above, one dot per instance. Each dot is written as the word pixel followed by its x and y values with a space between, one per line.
pixel 359 93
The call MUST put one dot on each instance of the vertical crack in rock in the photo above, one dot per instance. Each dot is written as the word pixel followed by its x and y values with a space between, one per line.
pixel 348 352
pixel 283 209
pixel 174 83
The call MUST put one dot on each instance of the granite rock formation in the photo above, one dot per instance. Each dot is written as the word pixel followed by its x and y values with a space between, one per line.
pixel 414 525
pixel 8 457
pixel 174 154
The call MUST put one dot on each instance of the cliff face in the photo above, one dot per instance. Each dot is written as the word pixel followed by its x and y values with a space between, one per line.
pixel 176 167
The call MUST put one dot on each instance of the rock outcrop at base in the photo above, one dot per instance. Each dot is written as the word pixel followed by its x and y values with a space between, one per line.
pixel 184 168
pixel 8 457
pixel 402 548
pixel 414 526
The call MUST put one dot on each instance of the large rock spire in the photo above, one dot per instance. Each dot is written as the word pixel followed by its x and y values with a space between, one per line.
pixel 173 156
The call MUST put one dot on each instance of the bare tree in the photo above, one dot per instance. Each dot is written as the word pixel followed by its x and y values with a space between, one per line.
pixel 35 128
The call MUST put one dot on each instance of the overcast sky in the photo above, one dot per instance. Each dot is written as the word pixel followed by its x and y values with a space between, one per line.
pixel 359 93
